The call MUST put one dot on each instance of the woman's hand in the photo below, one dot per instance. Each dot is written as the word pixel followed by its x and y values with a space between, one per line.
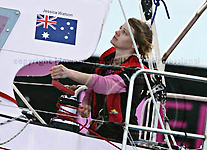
pixel 84 111
pixel 59 71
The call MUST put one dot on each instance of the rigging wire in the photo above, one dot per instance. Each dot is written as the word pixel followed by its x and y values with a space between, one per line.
pixel 57 60
pixel 147 11
pixel 131 140
pixel 147 82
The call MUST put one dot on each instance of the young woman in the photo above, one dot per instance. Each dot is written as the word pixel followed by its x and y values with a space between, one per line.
pixel 107 89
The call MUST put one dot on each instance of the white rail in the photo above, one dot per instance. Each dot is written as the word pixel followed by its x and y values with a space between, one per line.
pixel 187 135
pixel 188 97
pixel 129 100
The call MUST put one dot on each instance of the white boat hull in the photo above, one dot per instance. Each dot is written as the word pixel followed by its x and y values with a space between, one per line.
pixel 38 137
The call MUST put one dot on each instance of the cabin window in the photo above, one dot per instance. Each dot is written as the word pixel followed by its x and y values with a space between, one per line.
pixel 8 18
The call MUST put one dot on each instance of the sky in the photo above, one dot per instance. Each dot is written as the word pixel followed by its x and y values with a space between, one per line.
pixel 191 51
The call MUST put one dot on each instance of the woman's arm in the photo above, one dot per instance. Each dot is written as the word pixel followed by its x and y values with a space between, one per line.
pixel 100 84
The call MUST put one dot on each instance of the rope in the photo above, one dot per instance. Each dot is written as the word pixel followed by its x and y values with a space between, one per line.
pixel 83 126
pixel 16 134
pixel 157 3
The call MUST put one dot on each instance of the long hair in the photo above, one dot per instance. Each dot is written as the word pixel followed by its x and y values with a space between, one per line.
pixel 142 36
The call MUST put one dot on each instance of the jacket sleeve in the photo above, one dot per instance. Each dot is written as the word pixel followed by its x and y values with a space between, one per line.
pixel 107 84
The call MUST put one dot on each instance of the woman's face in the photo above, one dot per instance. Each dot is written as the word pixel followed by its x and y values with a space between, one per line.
pixel 122 39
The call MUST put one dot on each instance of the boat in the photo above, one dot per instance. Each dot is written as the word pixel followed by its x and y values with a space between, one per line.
pixel 29 116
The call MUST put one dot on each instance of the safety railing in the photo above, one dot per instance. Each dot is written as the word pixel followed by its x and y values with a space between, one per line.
pixel 155 130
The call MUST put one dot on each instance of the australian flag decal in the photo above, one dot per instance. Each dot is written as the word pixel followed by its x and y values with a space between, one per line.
pixel 56 29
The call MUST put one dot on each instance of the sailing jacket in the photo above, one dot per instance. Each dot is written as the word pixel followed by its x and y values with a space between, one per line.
pixel 112 107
